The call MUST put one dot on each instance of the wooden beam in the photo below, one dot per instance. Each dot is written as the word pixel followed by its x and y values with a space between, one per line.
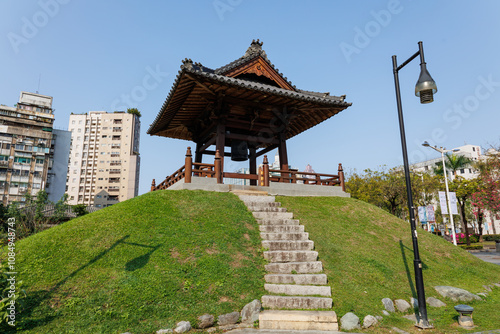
pixel 210 152
pixel 253 164
pixel 209 143
pixel 265 150
pixel 220 142
pixel 201 85
pixel 252 139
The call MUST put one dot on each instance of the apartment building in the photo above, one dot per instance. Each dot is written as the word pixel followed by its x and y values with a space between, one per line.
pixel 104 158
pixel 472 152
pixel 26 147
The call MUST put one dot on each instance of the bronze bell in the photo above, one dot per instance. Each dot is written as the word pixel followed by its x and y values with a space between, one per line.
pixel 239 150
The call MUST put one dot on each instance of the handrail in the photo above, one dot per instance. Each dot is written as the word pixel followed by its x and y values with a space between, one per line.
pixel 264 176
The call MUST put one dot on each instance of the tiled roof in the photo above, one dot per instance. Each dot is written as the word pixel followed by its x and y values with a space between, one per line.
pixel 203 73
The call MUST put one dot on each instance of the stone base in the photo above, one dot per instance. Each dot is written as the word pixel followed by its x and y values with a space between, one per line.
pixel 465 321
pixel 299 320
pixel 275 188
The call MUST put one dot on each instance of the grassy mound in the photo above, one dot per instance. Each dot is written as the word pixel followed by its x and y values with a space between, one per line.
pixel 142 265
pixel 167 256
pixel 368 255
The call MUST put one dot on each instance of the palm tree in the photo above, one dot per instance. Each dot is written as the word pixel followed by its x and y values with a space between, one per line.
pixel 453 163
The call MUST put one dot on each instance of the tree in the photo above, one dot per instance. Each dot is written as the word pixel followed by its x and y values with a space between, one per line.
pixel 80 210
pixel 387 189
pixel 453 162
pixel 134 111
pixel 464 190
pixel 487 197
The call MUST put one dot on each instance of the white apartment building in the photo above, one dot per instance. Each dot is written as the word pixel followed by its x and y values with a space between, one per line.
pixel 104 159
pixel 27 146
pixel 472 152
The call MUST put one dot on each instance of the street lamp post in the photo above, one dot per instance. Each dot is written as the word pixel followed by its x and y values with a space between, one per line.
pixel 443 151
pixel 425 89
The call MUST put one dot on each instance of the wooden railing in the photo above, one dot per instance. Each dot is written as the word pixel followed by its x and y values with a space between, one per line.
pixel 264 176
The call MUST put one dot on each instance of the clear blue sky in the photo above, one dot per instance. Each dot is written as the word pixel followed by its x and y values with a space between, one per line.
pixel 92 53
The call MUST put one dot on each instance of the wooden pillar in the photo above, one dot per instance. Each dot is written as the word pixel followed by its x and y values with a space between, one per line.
pixel 198 156
pixel 220 143
pixel 266 171
pixel 153 185
pixel 188 166
pixel 283 154
pixel 217 167
pixel 253 164
pixel 341 177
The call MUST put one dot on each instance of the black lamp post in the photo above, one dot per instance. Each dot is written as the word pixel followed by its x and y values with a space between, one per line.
pixel 425 89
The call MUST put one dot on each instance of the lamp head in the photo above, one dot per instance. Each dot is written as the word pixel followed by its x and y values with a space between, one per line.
pixel 426 144
pixel 425 87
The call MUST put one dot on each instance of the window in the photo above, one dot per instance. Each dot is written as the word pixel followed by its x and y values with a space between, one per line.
pixel 462 171
pixel 73 122
pixel 22 160
pixel 470 170
pixel 79 130
pixel 473 149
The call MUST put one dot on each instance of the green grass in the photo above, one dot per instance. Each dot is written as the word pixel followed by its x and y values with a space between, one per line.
pixel 142 265
pixel 367 255
pixel 168 256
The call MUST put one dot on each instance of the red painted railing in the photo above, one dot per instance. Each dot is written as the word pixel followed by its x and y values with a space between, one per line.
pixel 264 177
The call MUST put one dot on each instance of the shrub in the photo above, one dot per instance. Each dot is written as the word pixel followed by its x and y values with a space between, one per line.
pixel 471 247
pixel 491 237
pixel 461 238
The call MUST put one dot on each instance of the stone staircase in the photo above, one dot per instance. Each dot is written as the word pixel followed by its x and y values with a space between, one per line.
pixel 294 280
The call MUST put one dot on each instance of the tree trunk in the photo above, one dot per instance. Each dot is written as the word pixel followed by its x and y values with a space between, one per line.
pixel 464 220
pixel 480 224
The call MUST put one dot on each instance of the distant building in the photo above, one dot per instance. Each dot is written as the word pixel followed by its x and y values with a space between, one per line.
pixel 473 152
pixel 26 139
pixel 104 158
pixel 56 178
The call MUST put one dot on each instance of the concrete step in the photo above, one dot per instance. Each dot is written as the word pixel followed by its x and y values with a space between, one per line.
pixel 284 236
pixel 276 245
pixel 266 209
pixel 299 290
pixel 260 199
pixel 281 228
pixel 294 302
pixel 315 267
pixel 311 279
pixel 278 221
pixel 263 204
pixel 299 320
pixel 273 215
pixel 291 256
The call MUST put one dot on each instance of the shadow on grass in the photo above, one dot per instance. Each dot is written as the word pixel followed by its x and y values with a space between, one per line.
pixel 407 268
pixel 37 298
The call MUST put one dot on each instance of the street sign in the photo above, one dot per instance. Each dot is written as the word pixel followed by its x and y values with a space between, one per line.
pixel 442 203
pixel 453 200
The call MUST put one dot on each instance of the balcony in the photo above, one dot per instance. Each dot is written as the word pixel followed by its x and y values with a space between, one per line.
pixel 115 171
pixel 4 163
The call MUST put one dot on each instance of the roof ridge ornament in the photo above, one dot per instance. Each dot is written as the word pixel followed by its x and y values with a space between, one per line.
pixel 187 63
pixel 255 48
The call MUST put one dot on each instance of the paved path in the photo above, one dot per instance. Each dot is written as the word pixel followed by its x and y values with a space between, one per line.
pixel 493 257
